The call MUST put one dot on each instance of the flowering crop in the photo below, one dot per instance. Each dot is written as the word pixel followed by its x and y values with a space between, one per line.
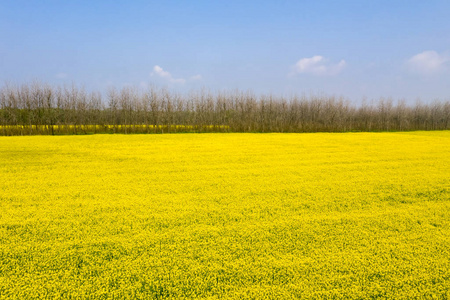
pixel 234 216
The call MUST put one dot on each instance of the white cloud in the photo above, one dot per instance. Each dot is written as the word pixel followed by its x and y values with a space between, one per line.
pixel 61 75
pixel 317 65
pixel 428 62
pixel 157 70
pixel 196 77
pixel 161 73
pixel 178 80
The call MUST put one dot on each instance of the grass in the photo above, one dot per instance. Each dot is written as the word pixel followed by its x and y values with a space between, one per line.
pixel 231 216
pixel 12 130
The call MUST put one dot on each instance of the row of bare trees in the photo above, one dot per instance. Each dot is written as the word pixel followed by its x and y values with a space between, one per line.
pixel 43 109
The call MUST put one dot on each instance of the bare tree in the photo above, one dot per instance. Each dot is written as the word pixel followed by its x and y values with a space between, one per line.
pixel 41 109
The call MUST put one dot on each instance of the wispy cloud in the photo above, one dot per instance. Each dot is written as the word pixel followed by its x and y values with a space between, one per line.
pixel 428 62
pixel 317 65
pixel 61 75
pixel 157 70
pixel 196 77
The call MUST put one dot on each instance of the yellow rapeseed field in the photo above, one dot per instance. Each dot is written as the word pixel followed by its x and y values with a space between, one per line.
pixel 226 216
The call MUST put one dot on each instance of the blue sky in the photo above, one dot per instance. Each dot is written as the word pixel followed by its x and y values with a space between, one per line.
pixel 357 49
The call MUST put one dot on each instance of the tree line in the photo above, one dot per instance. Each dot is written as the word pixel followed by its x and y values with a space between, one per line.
pixel 43 109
